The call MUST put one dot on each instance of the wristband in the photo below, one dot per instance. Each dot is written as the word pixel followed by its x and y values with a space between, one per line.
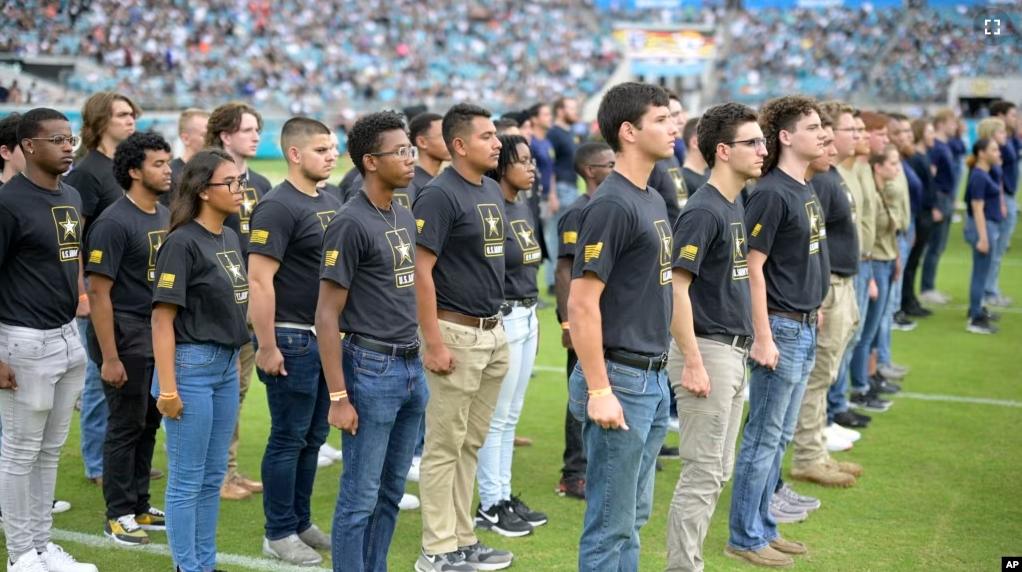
pixel 168 395
pixel 83 297
pixel 338 395
pixel 601 392
pixel 564 325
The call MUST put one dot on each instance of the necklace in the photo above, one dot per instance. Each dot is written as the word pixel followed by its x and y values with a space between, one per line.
pixel 392 226
pixel 223 239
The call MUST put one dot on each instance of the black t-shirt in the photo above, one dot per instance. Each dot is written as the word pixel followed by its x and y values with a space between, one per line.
pixel 122 245
pixel 563 144
pixel 710 242
pixel 567 227
pixel 373 257
pixel 334 191
pixel 176 166
pixel 288 226
pixel 522 256
pixel 203 275
pixel 626 242
pixel 40 234
pixel 351 182
pixel 842 238
pixel 694 180
pixel 240 223
pixel 785 219
pixel 464 225
pixel 667 180
pixel 93 178
pixel 406 196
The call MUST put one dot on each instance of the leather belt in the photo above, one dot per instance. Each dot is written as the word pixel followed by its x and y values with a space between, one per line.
pixel 293 326
pixel 408 351
pixel 522 302
pixel 808 319
pixel 638 361
pixel 739 342
pixel 468 321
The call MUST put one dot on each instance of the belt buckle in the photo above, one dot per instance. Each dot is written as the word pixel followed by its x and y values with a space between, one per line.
pixel 748 343
pixel 660 361
pixel 811 317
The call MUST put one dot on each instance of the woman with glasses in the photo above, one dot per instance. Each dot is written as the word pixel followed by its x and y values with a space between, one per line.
pixel 199 307
pixel 498 510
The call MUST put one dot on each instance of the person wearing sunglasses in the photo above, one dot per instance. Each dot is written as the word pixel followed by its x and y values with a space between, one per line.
pixel 41 293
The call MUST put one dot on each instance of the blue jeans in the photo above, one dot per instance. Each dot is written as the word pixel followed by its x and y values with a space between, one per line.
pixel 299 404
pixel 775 398
pixel 875 314
pixel 619 475
pixel 938 241
pixel 390 395
pixel 837 396
pixel 999 248
pixel 981 263
pixel 894 300
pixel 94 412
pixel 197 446
pixel 566 194
pixel 494 470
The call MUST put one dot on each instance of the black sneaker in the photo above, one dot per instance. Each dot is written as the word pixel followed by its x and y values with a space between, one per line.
pixel 669 452
pixel 862 416
pixel 917 311
pixel 991 316
pixel 502 520
pixel 869 401
pixel 574 488
pixel 527 514
pixel 981 325
pixel 902 323
pixel 850 420
pixel 881 384
pixel 482 557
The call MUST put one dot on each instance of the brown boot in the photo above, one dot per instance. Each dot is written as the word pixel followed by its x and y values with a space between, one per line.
pixel 155 474
pixel 853 469
pixel 523 442
pixel 248 484
pixel 823 475
pixel 766 557
pixel 231 491
pixel 788 546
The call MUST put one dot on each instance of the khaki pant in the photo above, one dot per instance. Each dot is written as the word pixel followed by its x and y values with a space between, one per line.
pixel 709 430
pixel 245 371
pixel 840 319
pixel 457 422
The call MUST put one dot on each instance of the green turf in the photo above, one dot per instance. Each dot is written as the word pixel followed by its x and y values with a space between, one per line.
pixel 941 489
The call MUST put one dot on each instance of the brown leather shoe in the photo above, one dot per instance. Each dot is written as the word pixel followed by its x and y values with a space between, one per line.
pixel 523 442
pixel 853 469
pixel 766 557
pixel 248 484
pixel 788 546
pixel 155 474
pixel 231 491
pixel 823 475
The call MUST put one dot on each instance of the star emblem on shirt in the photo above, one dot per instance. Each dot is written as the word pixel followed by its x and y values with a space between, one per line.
pixel 526 237
pixel 814 222
pixel 235 271
pixel 70 227
pixel 404 250
pixel 667 243
pixel 739 241
pixel 492 222
pixel 159 243
pixel 247 204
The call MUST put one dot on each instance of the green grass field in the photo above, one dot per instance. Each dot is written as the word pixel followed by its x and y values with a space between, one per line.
pixel 942 487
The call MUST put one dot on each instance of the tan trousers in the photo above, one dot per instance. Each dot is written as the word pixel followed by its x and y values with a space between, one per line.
pixel 840 319
pixel 457 422
pixel 709 430
pixel 245 370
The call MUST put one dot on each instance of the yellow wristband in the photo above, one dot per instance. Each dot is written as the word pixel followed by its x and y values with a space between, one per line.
pixel 601 392
pixel 338 395
pixel 83 297
pixel 564 325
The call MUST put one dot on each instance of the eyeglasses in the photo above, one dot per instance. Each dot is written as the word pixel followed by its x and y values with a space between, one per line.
pixel 59 140
pixel 607 166
pixel 234 187
pixel 757 142
pixel 402 153
pixel 526 163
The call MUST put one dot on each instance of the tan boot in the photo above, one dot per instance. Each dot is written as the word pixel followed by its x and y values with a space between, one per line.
pixel 523 442
pixel 853 469
pixel 231 491
pixel 248 484
pixel 788 546
pixel 766 557
pixel 823 475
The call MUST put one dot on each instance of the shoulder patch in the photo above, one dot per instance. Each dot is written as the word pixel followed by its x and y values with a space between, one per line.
pixel 96 257
pixel 260 236
pixel 166 281
pixel 592 251
pixel 756 229
pixel 570 237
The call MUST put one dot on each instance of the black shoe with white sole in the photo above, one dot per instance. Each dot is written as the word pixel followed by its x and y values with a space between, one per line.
pixel 869 401
pixel 535 518
pixel 881 384
pixel 849 420
pixel 500 518
pixel 981 325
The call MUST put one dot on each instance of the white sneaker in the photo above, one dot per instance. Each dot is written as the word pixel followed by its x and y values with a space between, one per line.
pixel 674 424
pixel 326 450
pixel 60 506
pixel 56 560
pixel 934 297
pixel 835 430
pixel 324 461
pixel 29 562
pixel 409 502
pixel 837 444
pixel 413 471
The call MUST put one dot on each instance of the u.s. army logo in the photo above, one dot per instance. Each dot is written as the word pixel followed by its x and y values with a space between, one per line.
pixel 679 186
pixel 325 217
pixel 815 223
pixel 740 265
pixel 402 199
pixel 664 231
pixel 526 238
pixel 69 235
pixel 231 263
pixel 493 229
pixel 155 242
pixel 248 203
pixel 403 251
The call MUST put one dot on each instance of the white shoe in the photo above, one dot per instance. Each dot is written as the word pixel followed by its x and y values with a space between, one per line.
pixel 836 431
pixel 29 562
pixel 333 454
pixel 409 502
pixel 838 444
pixel 324 461
pixel 56 560
pixel 934 297
pixel 413 471
pixel 674 424
pixel 60 506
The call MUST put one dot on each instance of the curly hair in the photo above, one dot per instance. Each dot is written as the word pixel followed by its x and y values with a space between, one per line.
pixel 131 154
pixel 9 134
pixel 227 119
pixel 96 115
pixel 627 103
pixel 719 125
pixel 782 114
pixel 508 155
pixel 366 135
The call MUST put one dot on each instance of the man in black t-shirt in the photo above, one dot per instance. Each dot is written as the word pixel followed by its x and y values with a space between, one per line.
pixel 712 325
pixel 425 132
pixel 284 255
pixel 694 170
pixel 191 129
pixel 236 128
pixel 667 180
pixel 12 159
pixel 594 162
pixel 619 310
pixel 107 119
pixel 121 263
pixel 367 277
pixel 41 292
pixel 325 186
pixel 784 221
pixel 459 281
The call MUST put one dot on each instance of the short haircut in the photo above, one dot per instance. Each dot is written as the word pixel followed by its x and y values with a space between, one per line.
pixel 131 152
pixel 508 155
pixel 627 103
pixel 1001 107
pixel 227 119
pixel 585 153
pixel 505 123
pixel 559 103
pixel 9 133
pixel 533 111
pixel 825 119
pixel 367 133
pixel 781 114
pixel 31 122
pixel 421 124
pixel 719 125
pixel 989 126
pixel 835 109
pixel 874 121
pixel 458 121
pixel 943 116
pixel 897 117
pixel 96 115
pixel 298 130
pixel 690 129
pixel 672 96
pixel 185 119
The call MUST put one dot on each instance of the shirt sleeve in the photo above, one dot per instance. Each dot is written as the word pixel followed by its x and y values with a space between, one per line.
pixel 107 241
pixel 434 218
pixel 605 230
pixel 88 188
pixel 567 233
pixel 694 236
pixel 344 245
pixel 764 214
pixel 271 228
pixel 173 265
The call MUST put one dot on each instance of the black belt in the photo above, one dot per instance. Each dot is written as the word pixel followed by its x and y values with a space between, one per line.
pixel 638 361
pixel 522 302
pixel 808 319
pixel 740 342
pixel 408 351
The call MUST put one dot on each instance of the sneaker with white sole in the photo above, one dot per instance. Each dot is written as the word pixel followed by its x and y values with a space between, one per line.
pixel 29 562
pixel 450 562
pixel 934 297
pixel 409 502
pixel 56 560
pixel 836 444
pixel 60 506
pixel 797 501
pixel 315 538
pixel 783 512
pixel 481 557
pixel 325 450
pixel 413 470
pixel 323 461
pixel 125 531
pixel 292 550
pixel 153 519
pixel 674 424
pixel 842 432
pixel 502 519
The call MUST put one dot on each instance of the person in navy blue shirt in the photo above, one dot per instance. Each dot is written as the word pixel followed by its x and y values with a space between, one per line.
pixel 680 117
pixel 1006 112
pixel 944 125
pixel 982 228
pixel 565 180
pixel 919 163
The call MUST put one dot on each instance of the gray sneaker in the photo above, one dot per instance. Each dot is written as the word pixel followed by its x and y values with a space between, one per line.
pixel 450 562
pixel 807 504
pixel 784 512
pixel 482 557
pixel 292 550
pixel 315 538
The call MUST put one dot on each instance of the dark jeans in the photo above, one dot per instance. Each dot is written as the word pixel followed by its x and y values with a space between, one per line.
pixel 924 230
pixel 981 262
pixel 299 404
pixel 574 448
pixel 938 241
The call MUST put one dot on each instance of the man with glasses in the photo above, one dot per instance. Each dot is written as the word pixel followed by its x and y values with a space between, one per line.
pixel 41 292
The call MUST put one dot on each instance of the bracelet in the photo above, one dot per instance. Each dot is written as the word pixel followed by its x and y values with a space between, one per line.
pixel 83 297
pixel 564 325
pixel 338 395
pixel 168 395
pixel 601 392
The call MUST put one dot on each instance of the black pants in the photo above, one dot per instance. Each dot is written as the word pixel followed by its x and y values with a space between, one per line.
pixel 130 440
pixel 924 230
pixel 574 450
